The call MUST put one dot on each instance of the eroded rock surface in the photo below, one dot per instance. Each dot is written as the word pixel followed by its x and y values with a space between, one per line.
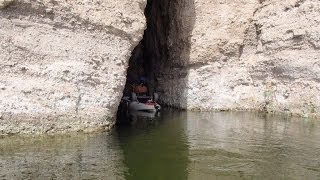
pixel 63 63
pixel 5 3
pixel 244 55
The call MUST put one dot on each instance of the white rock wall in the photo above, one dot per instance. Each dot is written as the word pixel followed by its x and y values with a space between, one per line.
pixel 286 62
pixel 63 63
pixel 245 55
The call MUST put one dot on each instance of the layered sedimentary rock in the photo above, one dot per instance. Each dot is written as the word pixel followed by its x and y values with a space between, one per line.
pixel 244 55
pixel 63 63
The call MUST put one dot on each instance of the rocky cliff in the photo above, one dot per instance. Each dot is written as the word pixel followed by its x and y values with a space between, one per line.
pixel 244 55
pixel 63 63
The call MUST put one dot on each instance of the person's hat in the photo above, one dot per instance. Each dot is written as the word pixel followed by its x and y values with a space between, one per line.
pixel 142 79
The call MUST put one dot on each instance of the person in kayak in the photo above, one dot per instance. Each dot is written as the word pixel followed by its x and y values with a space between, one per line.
pixel 141 88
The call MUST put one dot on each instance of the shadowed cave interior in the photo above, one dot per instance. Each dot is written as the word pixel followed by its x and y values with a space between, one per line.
pixel 151 54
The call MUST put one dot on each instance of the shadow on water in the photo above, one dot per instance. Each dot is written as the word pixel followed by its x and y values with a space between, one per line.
pixel 155 148
pixel 221 145
pixel 176 145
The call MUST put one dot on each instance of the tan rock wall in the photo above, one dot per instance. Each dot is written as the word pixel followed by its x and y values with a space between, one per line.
pixel 245 55
pixel 287 58
pixel 63 63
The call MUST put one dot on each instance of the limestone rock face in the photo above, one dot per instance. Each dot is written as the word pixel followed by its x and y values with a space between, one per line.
pixel 4 3
pixel 63 63
pixel 244 55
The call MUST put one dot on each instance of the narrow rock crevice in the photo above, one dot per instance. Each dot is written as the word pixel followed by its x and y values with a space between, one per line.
pixel 163 54
pixel 152 52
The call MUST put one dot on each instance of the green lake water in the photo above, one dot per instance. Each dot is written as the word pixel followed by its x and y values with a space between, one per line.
pixel 176 145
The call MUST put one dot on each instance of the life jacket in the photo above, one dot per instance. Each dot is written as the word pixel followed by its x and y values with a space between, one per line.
pixel 140 89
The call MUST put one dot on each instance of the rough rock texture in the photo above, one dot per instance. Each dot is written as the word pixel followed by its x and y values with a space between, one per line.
pixel 5 3
pixel 63 63
pixel 152 52
pixel 244 55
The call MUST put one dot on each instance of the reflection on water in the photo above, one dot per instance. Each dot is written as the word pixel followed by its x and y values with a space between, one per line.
pixel 61 157
pixel 246 145
pixel 175 145
pixel 155 148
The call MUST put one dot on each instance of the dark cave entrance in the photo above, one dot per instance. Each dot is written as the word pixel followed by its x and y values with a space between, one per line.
pixel 151 54
pixel 148 57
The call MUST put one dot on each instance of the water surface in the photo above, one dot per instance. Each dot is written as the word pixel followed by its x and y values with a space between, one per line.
pixel 175 145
